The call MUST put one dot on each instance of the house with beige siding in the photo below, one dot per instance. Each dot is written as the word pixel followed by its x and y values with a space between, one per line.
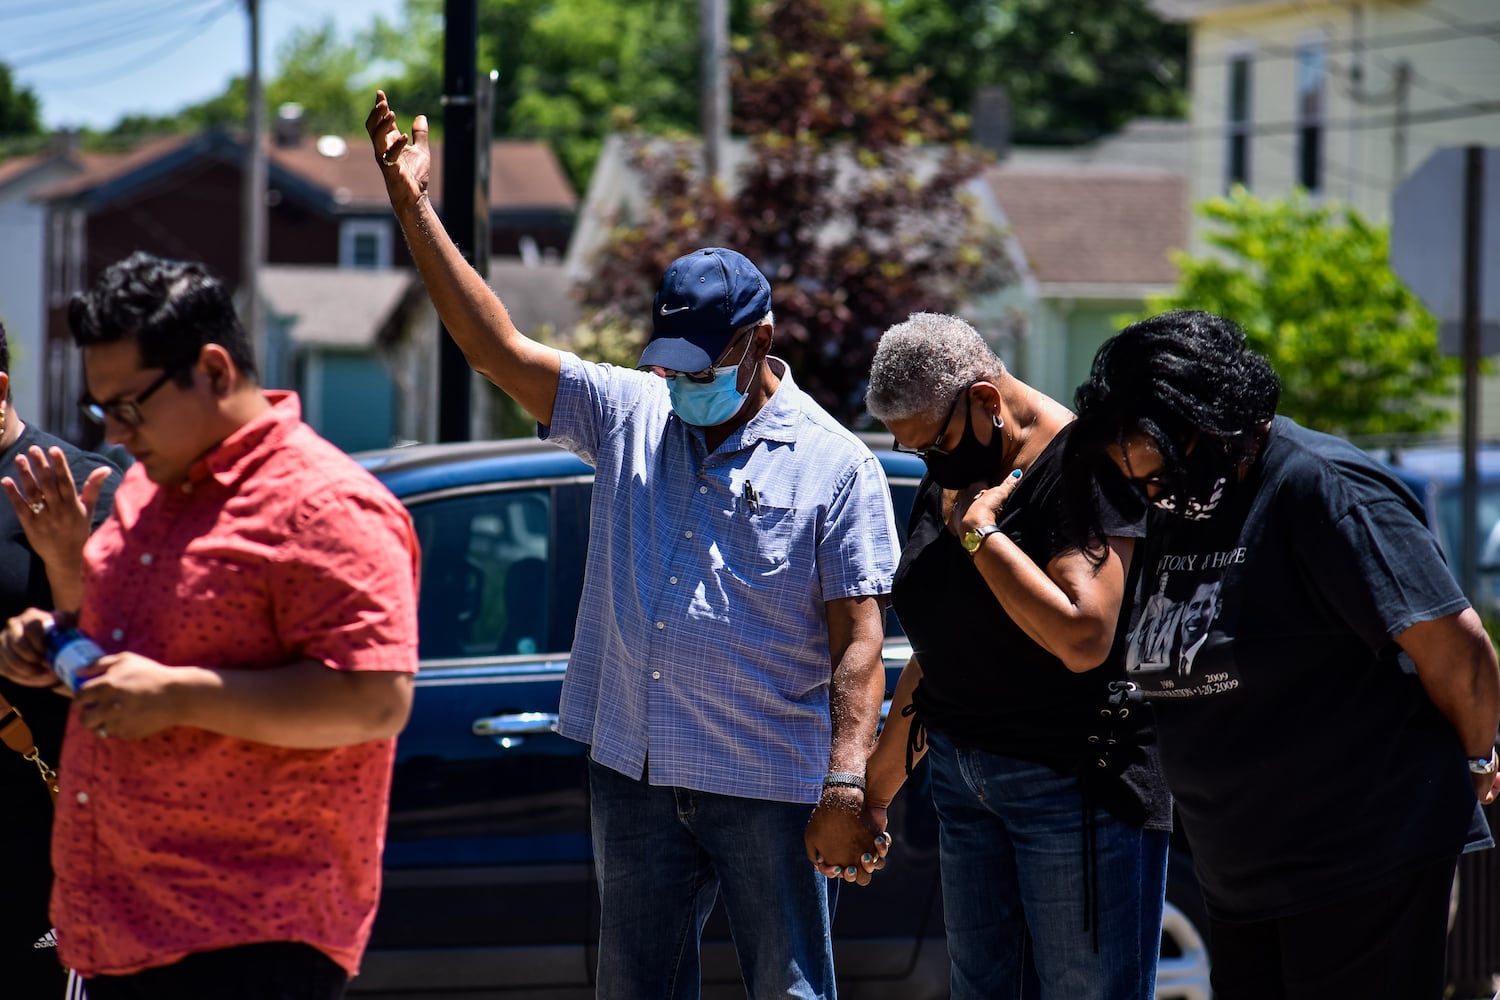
pixel 1341 97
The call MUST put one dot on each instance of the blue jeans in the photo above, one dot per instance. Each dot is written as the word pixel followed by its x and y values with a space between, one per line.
pixel 662 855
pixel 1011 836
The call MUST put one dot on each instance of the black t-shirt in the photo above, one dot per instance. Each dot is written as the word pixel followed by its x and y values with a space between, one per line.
pixel 986 684
pixel 1305 758
pixel 25 834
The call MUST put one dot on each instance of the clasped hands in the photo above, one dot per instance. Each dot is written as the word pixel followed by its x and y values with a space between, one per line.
pixel 846 837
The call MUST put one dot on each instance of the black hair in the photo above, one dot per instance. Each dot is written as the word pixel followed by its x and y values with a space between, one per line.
pixel 4 350
pixel 172 308
pixel 1175 377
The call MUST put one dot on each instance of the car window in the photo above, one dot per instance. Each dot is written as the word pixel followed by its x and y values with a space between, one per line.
pixel 486 570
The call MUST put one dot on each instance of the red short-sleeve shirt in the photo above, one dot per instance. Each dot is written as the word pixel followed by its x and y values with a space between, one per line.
pixel 279 548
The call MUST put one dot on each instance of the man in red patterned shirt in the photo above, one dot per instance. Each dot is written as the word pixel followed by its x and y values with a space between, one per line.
pixel 226 769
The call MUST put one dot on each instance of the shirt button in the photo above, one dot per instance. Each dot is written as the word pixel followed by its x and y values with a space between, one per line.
pixel 661 625
pixel 83 796
pixel 687 534
pixel 703 489
pixel 656 675
pixel 672 580
pixel 146 559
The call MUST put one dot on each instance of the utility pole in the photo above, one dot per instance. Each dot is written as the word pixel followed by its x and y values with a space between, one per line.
pixel 461 196
pixel 713 35
pixel 253 208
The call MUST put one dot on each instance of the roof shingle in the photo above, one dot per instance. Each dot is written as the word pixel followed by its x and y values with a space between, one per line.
pixel 1095 225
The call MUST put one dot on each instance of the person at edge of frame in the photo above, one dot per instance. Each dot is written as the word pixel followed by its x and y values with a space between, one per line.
pixel 225 774
pixel 1330 744
pixel 42 531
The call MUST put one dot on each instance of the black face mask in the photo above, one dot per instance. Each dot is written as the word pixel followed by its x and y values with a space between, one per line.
pixel 969 461
pixel 1199 485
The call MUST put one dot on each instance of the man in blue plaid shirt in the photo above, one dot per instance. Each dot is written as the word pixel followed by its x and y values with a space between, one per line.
pixel 726 672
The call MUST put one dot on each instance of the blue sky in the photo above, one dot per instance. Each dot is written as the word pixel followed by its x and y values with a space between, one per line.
pixel 91 61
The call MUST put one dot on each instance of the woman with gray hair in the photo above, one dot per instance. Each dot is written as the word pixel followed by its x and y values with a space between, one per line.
pixel 1053 816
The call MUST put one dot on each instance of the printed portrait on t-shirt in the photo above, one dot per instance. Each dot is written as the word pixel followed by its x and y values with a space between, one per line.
pixel 1150 646
pixel 1174 627
pixel 1198 614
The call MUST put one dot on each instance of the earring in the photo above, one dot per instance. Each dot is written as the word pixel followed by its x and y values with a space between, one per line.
pixel 995 419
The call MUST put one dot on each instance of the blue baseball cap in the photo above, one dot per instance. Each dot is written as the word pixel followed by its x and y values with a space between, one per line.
pixel 704 297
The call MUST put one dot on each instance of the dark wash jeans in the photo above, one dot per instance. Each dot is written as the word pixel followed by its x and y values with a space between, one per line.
pixel 279 970
pixel 663 854
pixel 1011 839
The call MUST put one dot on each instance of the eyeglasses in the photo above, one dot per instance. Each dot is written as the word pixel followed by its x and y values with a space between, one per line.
pixel 706 375
pixel 124 411
pixel 933 448
pixel 1153 486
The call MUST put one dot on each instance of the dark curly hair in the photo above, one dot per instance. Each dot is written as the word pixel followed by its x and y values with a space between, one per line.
pixel 1174 377
pixel 172 308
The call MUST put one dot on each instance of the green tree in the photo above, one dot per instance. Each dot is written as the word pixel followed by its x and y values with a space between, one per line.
pixel 567 72
pixel 571 72
pixel 1312 286
pixel 1073 68
pixel 852 199
pixel 20 110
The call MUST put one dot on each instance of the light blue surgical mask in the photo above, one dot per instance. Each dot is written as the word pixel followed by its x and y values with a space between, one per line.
pixel 708 404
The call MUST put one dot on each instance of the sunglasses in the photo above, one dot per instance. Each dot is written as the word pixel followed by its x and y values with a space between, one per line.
pixel 933 448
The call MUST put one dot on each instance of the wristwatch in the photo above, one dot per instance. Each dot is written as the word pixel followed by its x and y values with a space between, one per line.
pixel 974 537
pixel 1484 765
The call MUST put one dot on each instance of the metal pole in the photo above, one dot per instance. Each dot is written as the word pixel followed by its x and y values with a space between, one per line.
pixel 1473 232
pixel 460 195
pixel 713 34
pixel 253 250
pixel 481 419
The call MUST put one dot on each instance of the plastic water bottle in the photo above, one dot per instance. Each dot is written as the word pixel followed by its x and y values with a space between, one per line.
pixel 70 651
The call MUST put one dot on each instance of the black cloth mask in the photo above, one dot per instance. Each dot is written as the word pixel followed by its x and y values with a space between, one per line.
pixel 969 461
pixel 1198 486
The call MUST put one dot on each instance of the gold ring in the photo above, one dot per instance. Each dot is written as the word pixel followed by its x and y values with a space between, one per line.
pixel 37 506
pixel 387 159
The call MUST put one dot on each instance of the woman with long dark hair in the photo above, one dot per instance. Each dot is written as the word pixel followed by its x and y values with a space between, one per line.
pixel 1315 732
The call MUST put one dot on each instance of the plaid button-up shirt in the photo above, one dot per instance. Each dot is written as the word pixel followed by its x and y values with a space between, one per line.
pixel 702 639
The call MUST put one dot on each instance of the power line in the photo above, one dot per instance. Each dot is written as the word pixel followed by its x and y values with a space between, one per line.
pixel 176 41
pixel 107 34
pixel 1452 22
pixel 47 9
pixel 1279 50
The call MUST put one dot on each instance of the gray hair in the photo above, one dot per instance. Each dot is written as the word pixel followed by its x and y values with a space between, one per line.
pixel 920 366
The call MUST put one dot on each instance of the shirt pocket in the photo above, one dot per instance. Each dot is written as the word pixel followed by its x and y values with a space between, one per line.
pixel 757 546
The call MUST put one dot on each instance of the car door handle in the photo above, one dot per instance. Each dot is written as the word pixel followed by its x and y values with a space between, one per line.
pixel 511 730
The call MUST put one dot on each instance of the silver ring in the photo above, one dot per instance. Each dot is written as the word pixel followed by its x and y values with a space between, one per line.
pixel 37 506
pixel 388 160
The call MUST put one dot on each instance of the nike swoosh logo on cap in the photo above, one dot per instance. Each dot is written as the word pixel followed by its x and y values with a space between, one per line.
pixel 667 312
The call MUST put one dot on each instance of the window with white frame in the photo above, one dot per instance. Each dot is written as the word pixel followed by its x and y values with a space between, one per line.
pixel 1312 79
pixel 1237 121
pixel 365 243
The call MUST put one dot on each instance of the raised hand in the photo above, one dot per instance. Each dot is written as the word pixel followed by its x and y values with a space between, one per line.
pixel 404 159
